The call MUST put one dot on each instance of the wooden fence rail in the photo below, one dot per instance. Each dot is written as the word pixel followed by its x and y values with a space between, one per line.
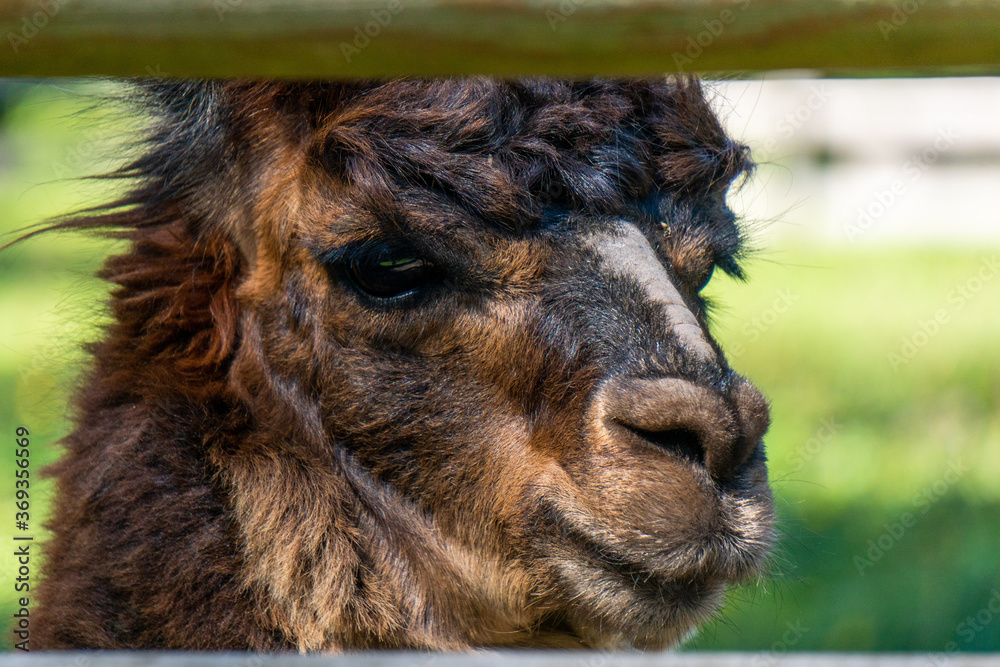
pixel 348 38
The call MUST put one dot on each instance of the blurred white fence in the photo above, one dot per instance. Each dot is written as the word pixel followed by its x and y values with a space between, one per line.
pixel 859 161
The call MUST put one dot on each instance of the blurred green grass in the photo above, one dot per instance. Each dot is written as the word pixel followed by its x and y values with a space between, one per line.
pixel 853 445
pixel 856 444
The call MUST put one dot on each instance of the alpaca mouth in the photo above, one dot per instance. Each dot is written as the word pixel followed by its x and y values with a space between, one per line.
pixel 730 552
pixel 646 589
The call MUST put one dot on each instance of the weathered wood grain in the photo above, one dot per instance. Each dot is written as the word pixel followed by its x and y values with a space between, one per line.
pixel 356 38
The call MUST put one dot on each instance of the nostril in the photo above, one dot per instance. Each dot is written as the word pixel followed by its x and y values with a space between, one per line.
pixel 682 442
pixel 691 422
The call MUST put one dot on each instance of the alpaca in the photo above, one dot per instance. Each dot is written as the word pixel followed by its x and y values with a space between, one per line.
pixel 411 364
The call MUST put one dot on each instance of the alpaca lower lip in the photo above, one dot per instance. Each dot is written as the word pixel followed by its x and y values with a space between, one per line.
pixel 722 558
pixel 650 599
pixel 636 604
pixel 732 550
pixel 682 575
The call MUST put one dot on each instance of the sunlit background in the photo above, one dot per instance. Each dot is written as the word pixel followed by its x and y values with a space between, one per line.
pixel 871 318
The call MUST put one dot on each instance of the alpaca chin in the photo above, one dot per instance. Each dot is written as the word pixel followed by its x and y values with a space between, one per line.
pixel 646 585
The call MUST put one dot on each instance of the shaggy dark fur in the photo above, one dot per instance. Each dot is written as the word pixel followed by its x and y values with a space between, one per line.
pixel 411 364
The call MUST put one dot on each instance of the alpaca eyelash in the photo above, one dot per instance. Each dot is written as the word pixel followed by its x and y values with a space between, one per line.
pixel 723 260
pixel 372 250
pixel 384 273
pixel 730 265
pixel 359 251
pixel 708 278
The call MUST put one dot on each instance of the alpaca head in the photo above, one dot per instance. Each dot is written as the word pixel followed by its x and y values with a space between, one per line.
pixel 462 322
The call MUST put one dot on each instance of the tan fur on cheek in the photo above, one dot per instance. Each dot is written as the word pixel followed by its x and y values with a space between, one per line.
pixel 342 561
pixel 302 556
pixel 331 583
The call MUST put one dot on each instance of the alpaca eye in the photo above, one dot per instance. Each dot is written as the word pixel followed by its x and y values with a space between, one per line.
pixel 387 272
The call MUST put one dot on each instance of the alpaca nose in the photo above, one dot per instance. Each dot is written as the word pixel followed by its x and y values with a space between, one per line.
pixel 719 431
